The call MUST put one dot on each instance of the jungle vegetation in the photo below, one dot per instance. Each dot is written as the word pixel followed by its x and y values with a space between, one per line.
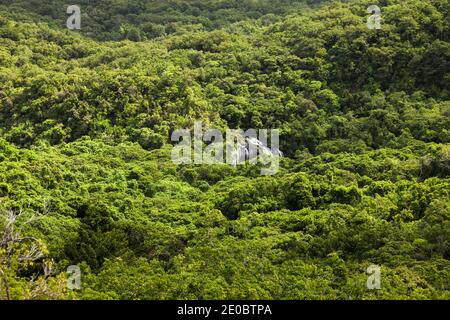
pixel 85 171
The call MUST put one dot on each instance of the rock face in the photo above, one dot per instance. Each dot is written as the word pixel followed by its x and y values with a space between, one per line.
pixel 249 148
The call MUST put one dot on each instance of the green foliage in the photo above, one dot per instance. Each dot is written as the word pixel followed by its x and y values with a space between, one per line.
pixel 364 117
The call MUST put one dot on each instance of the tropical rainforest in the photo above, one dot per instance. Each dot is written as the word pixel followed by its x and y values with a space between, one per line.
pixel 87 180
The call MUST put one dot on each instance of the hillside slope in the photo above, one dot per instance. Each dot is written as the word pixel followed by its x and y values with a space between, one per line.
pixel 140 20
pixel 364 123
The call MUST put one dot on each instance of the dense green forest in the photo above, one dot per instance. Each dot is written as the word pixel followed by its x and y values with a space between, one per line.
pixel 86 176
pixel 147 19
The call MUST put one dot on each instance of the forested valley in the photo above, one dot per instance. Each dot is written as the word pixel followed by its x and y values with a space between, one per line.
pixel 87 180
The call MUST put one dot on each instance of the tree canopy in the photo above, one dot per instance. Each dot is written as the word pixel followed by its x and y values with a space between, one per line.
pixel 85 124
